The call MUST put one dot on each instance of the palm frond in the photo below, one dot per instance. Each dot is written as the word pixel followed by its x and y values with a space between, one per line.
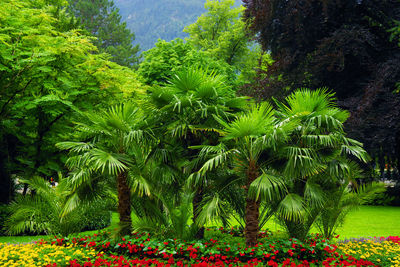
pixel 106 161
pixel 314 194
pixel 140 185
pixel 267 186
pixel 291 208
pixel 77 147
pixel 212 209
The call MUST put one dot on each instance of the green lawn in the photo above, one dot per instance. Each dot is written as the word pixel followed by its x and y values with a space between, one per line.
pixel 372 221
pixel 20 239
pixel 365 222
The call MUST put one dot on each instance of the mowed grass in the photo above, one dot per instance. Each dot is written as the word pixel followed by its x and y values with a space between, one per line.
pixel 367 221
pixel 20 239
pixel 371 221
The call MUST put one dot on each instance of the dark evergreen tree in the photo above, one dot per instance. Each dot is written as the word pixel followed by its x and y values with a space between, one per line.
pixel 101 19
pixel 345 45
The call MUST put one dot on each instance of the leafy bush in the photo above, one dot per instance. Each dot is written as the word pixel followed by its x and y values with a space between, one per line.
pixel 45 212
pixel 382 199
pixel 96 216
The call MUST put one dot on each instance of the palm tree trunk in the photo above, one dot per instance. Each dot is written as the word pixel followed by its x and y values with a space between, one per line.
pixel 252 210
pixel 124 204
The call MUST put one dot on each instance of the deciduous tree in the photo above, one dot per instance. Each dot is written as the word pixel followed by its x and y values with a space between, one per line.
pixel 344 45
pixel 47 75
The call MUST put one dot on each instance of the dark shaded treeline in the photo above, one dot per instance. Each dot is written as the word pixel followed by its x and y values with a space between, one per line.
pixel 345 45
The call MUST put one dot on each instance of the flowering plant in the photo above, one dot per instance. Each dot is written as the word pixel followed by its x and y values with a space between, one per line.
pixel 384 251
pixel 315 250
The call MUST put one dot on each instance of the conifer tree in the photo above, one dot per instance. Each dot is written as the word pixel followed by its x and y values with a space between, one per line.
pixel 101 19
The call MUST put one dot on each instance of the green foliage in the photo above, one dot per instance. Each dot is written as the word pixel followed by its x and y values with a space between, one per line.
pixel 167 58
pixel 97 215
pixel 43 211
pixel 315 161
pixel 184 111
pixel 48 75
pixel 115 141
pixel 341 202
pixel 221 33
pixel 293 159
pixel 172 221
pixel 101 19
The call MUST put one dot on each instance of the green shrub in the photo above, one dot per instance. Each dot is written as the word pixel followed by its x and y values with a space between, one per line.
pixel 97 216
pixel 47 211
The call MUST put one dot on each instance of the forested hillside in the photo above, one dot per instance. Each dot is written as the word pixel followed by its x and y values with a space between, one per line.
pixel 164 19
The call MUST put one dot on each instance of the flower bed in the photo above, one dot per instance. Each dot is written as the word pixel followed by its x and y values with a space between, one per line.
pixel 141 245
pixel 383 251
pixel 271 252
pixel 44 254
pixel 141 249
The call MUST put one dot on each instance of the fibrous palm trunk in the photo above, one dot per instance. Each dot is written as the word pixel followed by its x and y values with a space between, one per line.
pixel 252 210
pixel 124 204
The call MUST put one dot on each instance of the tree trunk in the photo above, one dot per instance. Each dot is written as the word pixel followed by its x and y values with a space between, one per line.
pixel 198 197
pixel 252 209
pixel 124 204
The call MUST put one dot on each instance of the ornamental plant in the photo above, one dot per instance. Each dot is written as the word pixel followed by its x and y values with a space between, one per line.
pixel 291 159
pixel 212 252
pixel 382 251
pixel 43 211
pixel 43 254
pixel 113 142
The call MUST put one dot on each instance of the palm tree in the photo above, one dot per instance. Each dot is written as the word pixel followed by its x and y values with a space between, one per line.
pixel 315 159
pixel 114 139
pixel 344 199
pixel 288 160
pixel 247 144
pixel 186 107
pixel 43 212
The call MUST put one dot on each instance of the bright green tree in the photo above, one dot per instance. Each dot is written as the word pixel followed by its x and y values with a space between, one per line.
pixel 245 144
pixel 47 76
pixel 221 33
pixel 161 62
pixel 101 19
pixel 292 160
pixel 316 161
pixel 186 106
pixel 113 140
